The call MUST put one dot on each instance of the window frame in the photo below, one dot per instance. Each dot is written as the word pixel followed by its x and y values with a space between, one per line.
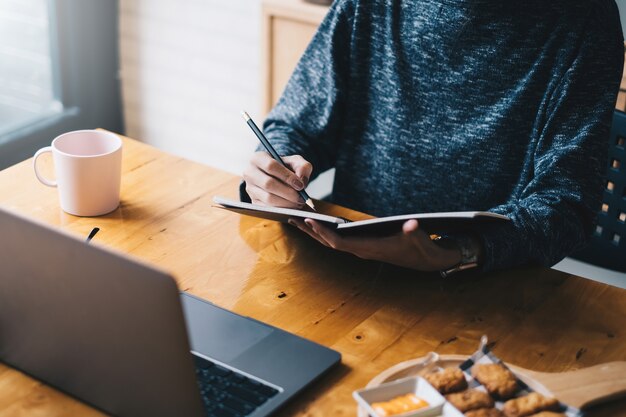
pixel 85 65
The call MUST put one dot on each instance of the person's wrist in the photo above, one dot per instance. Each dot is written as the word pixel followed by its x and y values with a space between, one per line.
pixel 450 257
pixel 469 253
pixel 446 255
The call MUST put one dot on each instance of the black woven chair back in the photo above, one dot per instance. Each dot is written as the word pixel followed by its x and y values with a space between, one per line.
pixel 607 248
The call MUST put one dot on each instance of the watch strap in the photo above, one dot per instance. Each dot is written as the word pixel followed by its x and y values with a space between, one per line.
pixel 469 254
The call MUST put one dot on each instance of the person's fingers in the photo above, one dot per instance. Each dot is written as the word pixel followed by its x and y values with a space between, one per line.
pixel 260 196
pixel 410 226
pixel 306 229
pixel 270 166
pixel 416 236
pixel 411 249
pixel 300 166
pixel 362 247
pixel 411 230
pixel 275 181
pixel 254 177
pixel 331 238
pixel 432 256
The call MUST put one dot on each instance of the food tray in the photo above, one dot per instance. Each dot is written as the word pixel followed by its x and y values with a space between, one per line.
pixel 422 365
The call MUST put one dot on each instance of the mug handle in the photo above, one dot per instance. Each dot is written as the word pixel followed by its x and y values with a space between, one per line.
pixel 40 177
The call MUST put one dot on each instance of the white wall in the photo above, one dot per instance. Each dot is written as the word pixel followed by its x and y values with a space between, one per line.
pixel 187 69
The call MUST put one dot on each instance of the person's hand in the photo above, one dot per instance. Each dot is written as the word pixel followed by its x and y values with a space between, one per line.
pixel 271 184
pixel 411 248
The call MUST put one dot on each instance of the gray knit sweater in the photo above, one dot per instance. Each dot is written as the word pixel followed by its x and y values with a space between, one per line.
pixel 445 105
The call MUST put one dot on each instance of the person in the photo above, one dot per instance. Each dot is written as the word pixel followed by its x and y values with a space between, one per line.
pixel 452 105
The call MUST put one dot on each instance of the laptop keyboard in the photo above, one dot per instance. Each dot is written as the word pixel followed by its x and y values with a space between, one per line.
pixel 227 393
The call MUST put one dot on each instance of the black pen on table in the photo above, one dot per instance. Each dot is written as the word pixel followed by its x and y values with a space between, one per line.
pixel 92 234
pixel 270 149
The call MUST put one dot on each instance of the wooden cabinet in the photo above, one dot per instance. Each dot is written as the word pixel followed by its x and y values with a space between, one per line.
pixel 288 26
pixel 621 98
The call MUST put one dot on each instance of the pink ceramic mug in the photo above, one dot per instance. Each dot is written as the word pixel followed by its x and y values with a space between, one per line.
pixel 88 169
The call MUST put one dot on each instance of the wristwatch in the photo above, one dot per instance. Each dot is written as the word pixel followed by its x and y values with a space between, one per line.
pixel 469 254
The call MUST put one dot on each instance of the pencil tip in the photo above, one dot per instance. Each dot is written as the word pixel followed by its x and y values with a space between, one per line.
pixel 245 115
pixel 309 203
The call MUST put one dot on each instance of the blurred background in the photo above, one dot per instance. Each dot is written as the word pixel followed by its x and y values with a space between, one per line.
pixel 174 74
pixel 171 73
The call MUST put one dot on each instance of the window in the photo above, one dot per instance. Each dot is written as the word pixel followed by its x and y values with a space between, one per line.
pixel 26 73
pixel 58 72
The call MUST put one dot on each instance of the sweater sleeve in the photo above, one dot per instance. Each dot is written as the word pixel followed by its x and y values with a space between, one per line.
pixel 555 210
pixel 308 117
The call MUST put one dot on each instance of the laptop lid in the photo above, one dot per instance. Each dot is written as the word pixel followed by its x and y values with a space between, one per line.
pixel 95 324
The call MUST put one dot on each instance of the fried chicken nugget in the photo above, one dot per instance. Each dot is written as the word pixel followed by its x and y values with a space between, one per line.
pixel 448 380
pixel 484 412
pixel 529 404
pixel 470 400
pixel 499 381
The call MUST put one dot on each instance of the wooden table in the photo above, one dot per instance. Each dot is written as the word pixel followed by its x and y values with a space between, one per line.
pixel 376 315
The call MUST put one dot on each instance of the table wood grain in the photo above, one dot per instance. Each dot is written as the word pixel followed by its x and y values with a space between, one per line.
pixel 376 315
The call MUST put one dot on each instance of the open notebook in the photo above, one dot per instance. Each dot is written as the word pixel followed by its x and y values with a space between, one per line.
pixel 380 226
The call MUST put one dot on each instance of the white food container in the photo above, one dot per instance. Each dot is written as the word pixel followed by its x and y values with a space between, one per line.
pixel 390 390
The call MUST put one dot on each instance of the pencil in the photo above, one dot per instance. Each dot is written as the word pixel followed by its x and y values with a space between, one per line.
pixel 270 149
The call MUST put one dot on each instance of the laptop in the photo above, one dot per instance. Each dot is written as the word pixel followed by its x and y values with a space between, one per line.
pixel 118 334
